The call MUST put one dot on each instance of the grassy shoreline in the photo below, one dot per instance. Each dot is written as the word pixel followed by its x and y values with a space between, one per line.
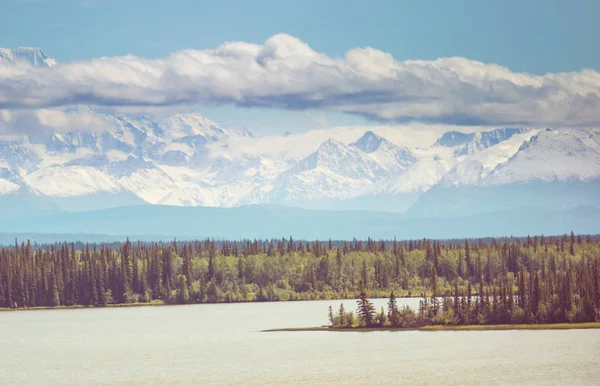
pixel 491 327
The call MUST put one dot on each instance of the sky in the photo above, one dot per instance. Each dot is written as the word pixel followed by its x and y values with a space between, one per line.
pixel 543 39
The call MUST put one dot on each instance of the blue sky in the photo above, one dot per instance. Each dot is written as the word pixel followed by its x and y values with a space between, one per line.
pixel 526 36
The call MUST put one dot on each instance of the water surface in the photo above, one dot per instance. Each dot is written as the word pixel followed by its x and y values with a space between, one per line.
pixel 222 344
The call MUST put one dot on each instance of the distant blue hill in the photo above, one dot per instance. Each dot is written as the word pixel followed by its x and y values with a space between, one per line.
pixel 155 222
pixel 451 201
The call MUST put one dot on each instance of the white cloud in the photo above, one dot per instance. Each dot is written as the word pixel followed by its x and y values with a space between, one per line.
pixel 51 121
pixel 286 73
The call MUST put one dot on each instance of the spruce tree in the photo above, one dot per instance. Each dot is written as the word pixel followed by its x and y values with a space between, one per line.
pixel 331 319
pixel 393 310
pixel 366 310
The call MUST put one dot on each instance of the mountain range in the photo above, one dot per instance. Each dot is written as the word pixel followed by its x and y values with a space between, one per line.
pixel 187 160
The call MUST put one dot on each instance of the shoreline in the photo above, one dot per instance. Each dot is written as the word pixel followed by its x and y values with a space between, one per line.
pixel 162 303
pixel 84 307
pixel 438 328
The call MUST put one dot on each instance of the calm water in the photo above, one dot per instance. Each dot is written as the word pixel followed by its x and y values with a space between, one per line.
pixel 221 344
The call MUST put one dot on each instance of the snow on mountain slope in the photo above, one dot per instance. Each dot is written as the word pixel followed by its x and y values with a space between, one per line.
pixel 333 170
pixel 7 187
pixel 193 125
pixel 17 155
pixel 552 169
pixel 483 140
pixel 336 170
pixel 393 157
pixel 552 155
pixel 122 133
pixel 418 178
pixel 454 138
pixel 151 184
pixel 315 184
pixel 334 157
pixel 474 167
pixel 33 56
pixel 370 142
pixel 137 156
pixel 70 181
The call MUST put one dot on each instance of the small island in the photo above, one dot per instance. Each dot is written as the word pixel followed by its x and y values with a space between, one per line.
pixel 569 300
pixel 454 314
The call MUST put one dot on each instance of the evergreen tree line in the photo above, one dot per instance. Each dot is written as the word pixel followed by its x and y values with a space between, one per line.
pixel 568 293
pixel 543 274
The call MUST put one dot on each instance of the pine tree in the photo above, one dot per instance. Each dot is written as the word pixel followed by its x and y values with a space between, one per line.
pixel 366 310
pixel 331 319
pixel 456 302
pixel 572 245
pixel 536 299
pixel 393 310
pixel 382 318
pixel 434 297
pixel 342 315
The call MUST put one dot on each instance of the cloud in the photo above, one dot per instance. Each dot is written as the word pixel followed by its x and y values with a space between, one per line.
pixel 285 73
pixel 52 120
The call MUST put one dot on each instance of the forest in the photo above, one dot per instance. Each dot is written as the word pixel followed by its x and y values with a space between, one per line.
pixel 502 280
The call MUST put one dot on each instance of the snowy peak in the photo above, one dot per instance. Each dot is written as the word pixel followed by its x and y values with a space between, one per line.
pixel 329 155
pixel 485 139
pixel 469 143
pixel 335 158
pixel 552 155
pixel 194 125
pixel 369 142
pixel 34 56
pixel 186 125
pixel 454 138
pixel 332 147
pixel 387 153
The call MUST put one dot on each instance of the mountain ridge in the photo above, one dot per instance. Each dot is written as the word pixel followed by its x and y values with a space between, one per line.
pixel 186 159
pixel 140 157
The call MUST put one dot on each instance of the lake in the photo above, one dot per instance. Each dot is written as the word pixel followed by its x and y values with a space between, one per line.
pixel 222 344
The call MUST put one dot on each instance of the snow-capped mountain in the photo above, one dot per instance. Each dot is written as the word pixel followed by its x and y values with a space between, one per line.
pixel 454 138
pixel 483 140
pixel 333 170
pixel 34 56
pixel 189 160
pixel 552 156
pixel 473 168
pixel 470 143
pixel 173 161
pixel 557 169
pixel 393 157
